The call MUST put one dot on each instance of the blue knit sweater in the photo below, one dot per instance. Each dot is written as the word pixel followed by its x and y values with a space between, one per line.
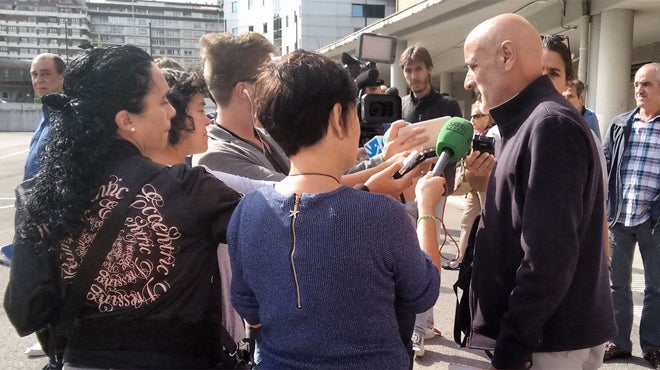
pixel 355 255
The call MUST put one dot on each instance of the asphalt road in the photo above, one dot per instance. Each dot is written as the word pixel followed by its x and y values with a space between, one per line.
pixel 440 351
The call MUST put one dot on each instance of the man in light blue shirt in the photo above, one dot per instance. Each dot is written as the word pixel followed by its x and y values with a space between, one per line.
pixel 575 95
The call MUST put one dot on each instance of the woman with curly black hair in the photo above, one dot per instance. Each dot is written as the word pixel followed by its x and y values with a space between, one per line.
pixel 188 126
pixel 188 136
pixel 154 302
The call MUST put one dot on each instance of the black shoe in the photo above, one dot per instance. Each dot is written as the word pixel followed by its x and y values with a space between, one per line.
pixel 653 358
pixel 612 351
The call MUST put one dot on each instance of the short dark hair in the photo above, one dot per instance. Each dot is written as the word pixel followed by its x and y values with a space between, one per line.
pixel 295 96
pixel 167 62
pixel 556 44
pixel 578 86
pixel 59 65
pixel 183 86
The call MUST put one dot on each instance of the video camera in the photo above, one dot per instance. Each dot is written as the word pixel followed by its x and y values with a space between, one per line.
pixel 378 109
pixel 484 144
pixel 375 111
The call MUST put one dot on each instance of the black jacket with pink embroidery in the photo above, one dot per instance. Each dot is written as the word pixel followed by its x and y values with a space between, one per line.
pixel 156 300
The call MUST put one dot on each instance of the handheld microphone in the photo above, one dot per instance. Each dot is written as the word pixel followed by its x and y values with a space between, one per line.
pixel 453 143
pixel 412 160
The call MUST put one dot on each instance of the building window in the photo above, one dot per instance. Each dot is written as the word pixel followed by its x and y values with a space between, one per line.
pixel 234 6
pixel 368 11
pixel 265 28
pixel 249 4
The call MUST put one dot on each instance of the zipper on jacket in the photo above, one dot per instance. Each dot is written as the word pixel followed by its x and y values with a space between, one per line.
pixel 294 214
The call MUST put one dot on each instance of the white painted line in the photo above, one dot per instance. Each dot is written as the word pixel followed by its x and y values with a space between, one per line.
pixel 13 154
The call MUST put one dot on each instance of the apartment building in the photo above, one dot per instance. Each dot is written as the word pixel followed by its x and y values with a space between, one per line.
pixel 306 24
pixel 28 28
pixel 163 29
pixel 66 27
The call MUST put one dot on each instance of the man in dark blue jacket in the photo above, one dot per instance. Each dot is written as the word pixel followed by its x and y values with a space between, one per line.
pixel 540 291
pixel 47 73
pixel 632 149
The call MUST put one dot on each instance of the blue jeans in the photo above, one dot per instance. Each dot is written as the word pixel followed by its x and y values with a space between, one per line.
pixel 622 244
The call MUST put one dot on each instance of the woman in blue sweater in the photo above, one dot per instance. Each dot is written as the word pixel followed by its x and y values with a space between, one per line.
pixel 318 266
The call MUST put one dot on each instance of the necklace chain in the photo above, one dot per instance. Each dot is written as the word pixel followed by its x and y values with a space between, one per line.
pixel 316 174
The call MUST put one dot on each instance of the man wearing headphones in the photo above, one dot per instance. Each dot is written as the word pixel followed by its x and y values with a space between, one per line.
pixel 236 146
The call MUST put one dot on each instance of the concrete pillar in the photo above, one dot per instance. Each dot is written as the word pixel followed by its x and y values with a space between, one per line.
pixel 584 52
pixel 614 59
pixel 592 73
pixel 396 74
pixel 446 83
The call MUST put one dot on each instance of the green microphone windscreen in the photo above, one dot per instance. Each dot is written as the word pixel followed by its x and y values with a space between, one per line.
pixel 456 136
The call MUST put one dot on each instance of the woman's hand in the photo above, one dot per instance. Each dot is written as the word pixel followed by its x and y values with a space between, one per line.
pixel 383 182
pixel 428 192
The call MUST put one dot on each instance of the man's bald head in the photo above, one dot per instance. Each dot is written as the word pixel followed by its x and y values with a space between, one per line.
pixel 503 55
pixel 47 73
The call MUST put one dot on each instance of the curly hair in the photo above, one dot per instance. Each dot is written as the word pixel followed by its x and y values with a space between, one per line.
pixel 183 86
pixel 83 141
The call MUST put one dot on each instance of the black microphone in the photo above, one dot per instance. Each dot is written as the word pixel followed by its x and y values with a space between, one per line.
pixel 412 160
pixel 453 143
pixel 367 78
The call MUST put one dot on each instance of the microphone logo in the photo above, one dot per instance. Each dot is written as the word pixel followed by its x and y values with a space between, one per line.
pixel 457 127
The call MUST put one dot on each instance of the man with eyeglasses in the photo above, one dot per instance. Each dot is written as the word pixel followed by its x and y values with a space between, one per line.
pixel 539 292
pixel 632 149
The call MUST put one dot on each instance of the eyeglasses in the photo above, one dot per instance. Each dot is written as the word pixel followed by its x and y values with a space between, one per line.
pixel 477 116
pixel 556 39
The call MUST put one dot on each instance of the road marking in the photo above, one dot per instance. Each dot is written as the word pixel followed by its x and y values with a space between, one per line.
pixel 3 207
pixel 13 154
